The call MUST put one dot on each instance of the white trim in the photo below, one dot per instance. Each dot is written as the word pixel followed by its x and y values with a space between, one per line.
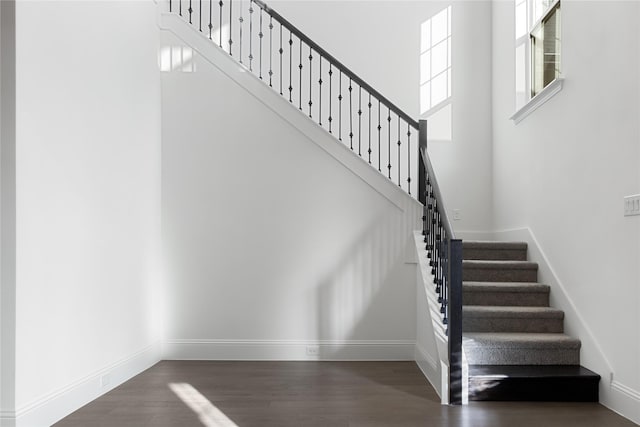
pixel 429 368
pixel 537 101
pixel 290 350
pixel 627 391
pixel 55 405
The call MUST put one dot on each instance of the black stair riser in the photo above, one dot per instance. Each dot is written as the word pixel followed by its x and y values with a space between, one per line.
pixel 561 389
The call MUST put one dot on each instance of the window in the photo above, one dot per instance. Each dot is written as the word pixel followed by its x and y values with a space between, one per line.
pixel 538 47
pixel 435 60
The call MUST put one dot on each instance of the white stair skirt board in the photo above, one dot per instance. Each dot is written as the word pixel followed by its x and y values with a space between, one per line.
pixel 52 407
pixel 289 350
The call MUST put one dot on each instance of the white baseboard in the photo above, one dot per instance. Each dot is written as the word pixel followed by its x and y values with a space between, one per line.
pixel 53 406
pixel 625 401
pixel 288 350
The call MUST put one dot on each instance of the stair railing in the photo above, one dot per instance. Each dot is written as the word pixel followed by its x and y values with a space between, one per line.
pixel 350 109
pixel 445 258
pixel 312 80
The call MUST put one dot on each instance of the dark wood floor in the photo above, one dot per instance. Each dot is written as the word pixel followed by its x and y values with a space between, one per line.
pixel 336 394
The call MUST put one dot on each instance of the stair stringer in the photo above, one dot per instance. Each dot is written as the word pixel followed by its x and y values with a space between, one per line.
pixel 307 128
pixel 431 339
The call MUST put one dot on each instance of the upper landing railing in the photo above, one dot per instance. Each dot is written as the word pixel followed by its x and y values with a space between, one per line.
pixel 350 109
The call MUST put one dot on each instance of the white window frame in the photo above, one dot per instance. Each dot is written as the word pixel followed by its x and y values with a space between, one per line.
pixel 530 103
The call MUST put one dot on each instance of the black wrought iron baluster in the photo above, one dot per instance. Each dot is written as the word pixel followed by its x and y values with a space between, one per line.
pixel 409 158
pixel 350 114
pixel 369 129
pixel 180 7
pixel 330 78
pixel 190 12
pixel 260 36
pixel 359 120
pixel 231 26
pixel 220 3
pixel 320 93
pixel 300 80
pixel 310 81
pixel 170 6
pixel 290 65
pixel 200 16
pixel 340 107
pixel 240 20
pixel 389 141
pixel 399 185
pixel 210 18
pixel 250 35
pixel 280 51
pixel 379 138
pixel 270 50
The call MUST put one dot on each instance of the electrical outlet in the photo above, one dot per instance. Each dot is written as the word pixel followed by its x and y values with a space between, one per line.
pixel 313 350
pixel 105 380
pixel 456 215
pixel 632 205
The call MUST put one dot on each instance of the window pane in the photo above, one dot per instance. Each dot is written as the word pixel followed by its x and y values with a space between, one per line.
pixel 545 51
pixel 425 35
pixel 439 30
pixel 439 89
pixel 425 97
pixel 439 55
pixel 425 66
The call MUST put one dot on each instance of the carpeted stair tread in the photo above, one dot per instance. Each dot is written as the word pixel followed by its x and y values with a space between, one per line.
pixel 494 264
pixel 490 244
pixel 479 311
pixel 521 340
pixel 512 319
pixel 491 250
pixel 505 294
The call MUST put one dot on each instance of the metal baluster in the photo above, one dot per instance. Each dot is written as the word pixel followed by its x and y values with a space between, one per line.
pixel 290 65
pixel 180 9
pixel 270 50
pixel 200 16
pixel 260 36
pixel 389 141
pixel 220 3
pixel 409 158
pixel 190 12
pixel 230 26
pixel 369 129
pixel 170 6
pixel 379 129
pixel 340 107
pixel 300 68
pixel 280 51
pixel 320 94
pixel 240 20
pixel 210 18
pixel 350 115
pixel 330 74
pixel 250 35
pixel 359 121
pixel 310 84
pixel 399 185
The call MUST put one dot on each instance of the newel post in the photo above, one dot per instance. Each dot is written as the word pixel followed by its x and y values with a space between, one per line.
pixel 422 179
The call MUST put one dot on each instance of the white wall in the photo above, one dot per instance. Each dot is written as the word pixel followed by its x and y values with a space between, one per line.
pixel 88 198
pixel 380 41
pixel 563 172
pixel 7 211
pixel 273 243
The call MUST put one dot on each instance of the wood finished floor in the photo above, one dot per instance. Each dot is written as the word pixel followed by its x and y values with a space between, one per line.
pixel 309 394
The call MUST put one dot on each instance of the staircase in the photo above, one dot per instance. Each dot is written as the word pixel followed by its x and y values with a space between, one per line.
pixel 514 342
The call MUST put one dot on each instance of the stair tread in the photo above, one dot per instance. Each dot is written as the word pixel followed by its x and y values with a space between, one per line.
pixel 530 371
pixel 506 265
pixel 537 340
pixel 505 287
pixel 478 311
pixel 491 244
